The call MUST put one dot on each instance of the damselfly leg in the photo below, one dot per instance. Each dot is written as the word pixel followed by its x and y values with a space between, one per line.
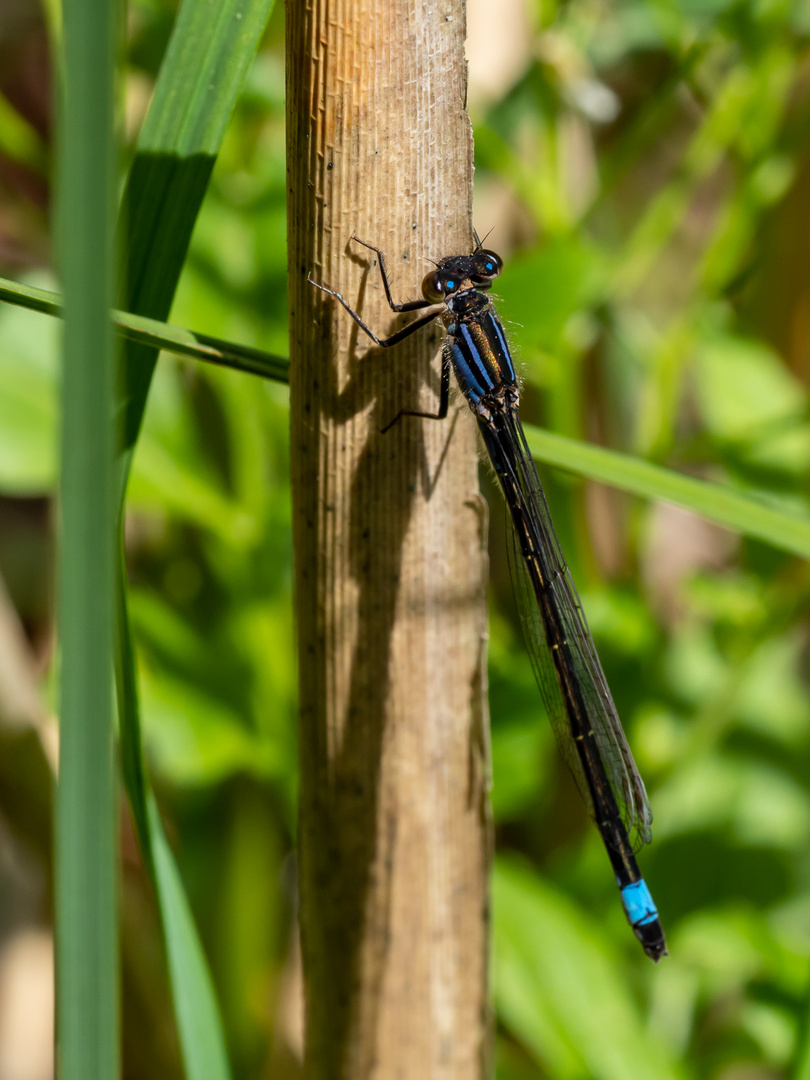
pixel 400 335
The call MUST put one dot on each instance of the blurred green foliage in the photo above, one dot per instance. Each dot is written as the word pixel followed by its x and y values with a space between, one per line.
pixel 657 154
pixel 646 168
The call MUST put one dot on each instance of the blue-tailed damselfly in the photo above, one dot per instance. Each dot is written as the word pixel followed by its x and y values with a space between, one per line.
pixel 566 665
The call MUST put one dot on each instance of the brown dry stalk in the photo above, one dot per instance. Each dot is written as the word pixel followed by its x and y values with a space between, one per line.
pixel 390 554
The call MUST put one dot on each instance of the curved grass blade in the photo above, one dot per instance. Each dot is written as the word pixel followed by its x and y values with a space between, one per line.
pixel 205 65
pixel 160 335
pixel 735 510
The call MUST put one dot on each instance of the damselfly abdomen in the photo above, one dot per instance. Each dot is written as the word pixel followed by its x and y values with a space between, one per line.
pixel 569 674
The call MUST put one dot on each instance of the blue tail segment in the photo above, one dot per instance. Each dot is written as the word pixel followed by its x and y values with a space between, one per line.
pixel 638 904
pixel 643 917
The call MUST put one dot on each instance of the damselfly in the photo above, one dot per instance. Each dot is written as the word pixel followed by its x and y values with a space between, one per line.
pixel 569 674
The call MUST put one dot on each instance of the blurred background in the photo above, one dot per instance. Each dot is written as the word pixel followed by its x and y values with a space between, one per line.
pixel 644 166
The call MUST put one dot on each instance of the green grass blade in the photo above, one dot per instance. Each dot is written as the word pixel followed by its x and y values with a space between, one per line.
pixel 160 335
pixel 195 1003
pixel 86 828
pixel 734 510
pixel 204 67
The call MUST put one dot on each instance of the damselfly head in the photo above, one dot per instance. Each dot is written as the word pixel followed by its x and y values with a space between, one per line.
pixel 457 271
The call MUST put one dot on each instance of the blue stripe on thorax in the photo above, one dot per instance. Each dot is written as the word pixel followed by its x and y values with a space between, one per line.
pixel 509 372
pixel 470 369
pixel 481 356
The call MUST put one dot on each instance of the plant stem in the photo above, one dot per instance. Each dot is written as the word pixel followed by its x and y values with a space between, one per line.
pixel 390 551
pixel 87 817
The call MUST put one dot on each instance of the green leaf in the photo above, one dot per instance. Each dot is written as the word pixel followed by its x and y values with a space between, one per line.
pixel 560 991
pixel 29 349
pixel 160 478
pixel 750 401
pixel 543 291
pixel 19 139
pixel 800 1069
pixel 735 510
pixel 516 768
pixel 197 741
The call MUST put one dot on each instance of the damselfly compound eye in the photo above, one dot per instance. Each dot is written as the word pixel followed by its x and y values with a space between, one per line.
pixel 438 285
pixel 433 287
pixel 487 264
